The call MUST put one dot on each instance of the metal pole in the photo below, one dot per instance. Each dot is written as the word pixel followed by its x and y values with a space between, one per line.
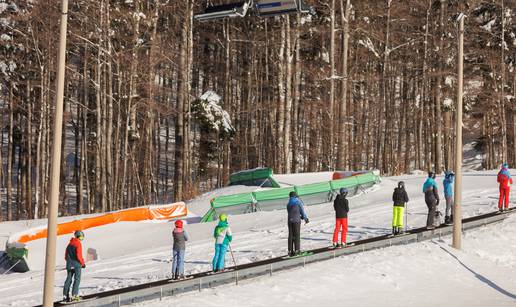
pixel 457 215
pixel 50 259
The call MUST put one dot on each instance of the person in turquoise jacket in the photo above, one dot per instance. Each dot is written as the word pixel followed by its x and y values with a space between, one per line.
pixel 448 196
pixel 223 236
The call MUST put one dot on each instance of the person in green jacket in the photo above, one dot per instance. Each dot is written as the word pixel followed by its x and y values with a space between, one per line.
pixel 223 236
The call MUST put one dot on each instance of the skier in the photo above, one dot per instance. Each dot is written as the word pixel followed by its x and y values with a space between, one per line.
pixel 431 199
pixel 400 198
pixel 178 251
pixel 448 195
pixel 74 265
pixel 341 206
pixel 296 212
pixel 223 237
pixel 505 181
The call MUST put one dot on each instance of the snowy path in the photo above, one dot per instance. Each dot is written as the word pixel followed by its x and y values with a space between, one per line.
pixel 429 274
pixel 257 236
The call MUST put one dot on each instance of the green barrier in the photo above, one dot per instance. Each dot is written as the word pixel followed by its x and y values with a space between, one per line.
pixel 272 194
pixel 267 200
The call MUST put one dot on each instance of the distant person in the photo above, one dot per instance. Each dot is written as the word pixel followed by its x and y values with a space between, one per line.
pixel 448 196
pixel 399 198
pixel 431 199
pixel 223 236
pixel 341 206
pixel 178 250
pixel 74 265
pixel 505 181
pixel 296 213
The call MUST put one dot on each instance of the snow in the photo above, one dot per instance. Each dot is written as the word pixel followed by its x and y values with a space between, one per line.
pixel 217 117
pixel 421 274
pixel 131 253
pixel 448 102
pixel 489 25
pixel 368 44
pixel 449 81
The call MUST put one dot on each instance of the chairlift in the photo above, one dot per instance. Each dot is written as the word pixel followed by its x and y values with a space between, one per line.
pixel 262 8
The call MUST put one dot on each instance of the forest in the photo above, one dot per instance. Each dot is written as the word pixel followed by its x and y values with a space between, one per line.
pixel 160 107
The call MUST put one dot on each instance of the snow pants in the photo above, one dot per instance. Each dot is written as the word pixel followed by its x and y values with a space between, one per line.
pixel 73 274
pixel 340 223
pixel 504 198
pixel 220 255
pixel 432 207
pixel 294 237
pixel 397 216
pixel 449 205
pixel 178 262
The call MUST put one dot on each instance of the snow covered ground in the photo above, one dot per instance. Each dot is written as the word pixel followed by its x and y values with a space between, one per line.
pixel 133 253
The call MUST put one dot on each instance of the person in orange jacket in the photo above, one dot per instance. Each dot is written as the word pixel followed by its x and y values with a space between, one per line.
pixel 505 180
pixel 74 265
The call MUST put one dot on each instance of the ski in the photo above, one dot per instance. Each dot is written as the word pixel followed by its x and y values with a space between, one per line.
pixel 223 271
pixel 181 279
pixel 302 254
pixel 77 302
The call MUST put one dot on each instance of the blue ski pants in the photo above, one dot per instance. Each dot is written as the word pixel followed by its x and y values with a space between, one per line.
pixel 218 258
pixel 178 262
pixel 75 275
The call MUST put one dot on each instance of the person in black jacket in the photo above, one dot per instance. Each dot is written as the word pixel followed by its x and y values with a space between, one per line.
pixel 400 198
pixel 341 206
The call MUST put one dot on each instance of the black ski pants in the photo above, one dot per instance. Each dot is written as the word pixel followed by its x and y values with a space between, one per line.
pixel 294 239
pixel 431 213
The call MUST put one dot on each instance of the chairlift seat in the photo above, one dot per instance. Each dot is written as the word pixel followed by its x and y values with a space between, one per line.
pixel 237 9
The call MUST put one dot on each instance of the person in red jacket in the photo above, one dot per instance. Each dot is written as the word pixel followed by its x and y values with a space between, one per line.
pixel 74 264
pixel 505 181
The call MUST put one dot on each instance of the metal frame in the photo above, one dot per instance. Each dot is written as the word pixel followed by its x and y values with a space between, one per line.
pixel 163 288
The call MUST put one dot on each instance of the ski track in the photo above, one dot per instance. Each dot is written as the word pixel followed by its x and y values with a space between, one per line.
pixel 370 215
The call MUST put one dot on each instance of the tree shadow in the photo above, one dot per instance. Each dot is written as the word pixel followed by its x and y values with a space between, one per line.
pixel 481 277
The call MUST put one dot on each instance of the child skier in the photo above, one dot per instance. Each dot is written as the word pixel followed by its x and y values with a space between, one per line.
pixel 223 237
pixel 400 198
pixel 296 212
pixel 178 251
pixel 74 265
pixel 431 199
pixel 448 195
pixel 505 181
pixel 341 206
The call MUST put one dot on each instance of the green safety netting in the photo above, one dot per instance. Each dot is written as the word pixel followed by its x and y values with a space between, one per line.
pixel 272 199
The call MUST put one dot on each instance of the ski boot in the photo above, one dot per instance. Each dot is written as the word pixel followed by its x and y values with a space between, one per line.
pixel 67 299
pixel 76 298
pixel 447 220
pixel 341 245
pixel 335 245
pixel 501 210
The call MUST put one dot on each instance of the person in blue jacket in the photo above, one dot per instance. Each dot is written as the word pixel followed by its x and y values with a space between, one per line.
pixel 448 195
pixel 296 213
pixel 431 199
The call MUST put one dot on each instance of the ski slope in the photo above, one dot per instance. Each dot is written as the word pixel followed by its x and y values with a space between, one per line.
pixel 133 253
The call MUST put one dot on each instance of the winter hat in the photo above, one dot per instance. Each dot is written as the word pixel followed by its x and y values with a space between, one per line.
pixel 344 191
pixel 223 217
pixel 292 194
pixel 431 174
pixel 179 224
pixel 79 235
pixel 505 165
pixel 401 185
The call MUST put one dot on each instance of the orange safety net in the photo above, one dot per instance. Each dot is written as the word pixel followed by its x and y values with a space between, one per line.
pixel 165 212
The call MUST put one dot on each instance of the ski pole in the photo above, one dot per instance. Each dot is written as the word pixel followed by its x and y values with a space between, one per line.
pixel 232 256
pixel 406 217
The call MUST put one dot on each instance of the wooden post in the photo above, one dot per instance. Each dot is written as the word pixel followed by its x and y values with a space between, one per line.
pixel 50 258
pixel 457 215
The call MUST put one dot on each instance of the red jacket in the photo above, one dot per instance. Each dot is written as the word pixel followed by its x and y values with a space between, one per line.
pixel 74 252
pixel 504 180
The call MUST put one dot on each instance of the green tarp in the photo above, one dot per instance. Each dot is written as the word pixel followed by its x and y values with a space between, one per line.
pixel 266 200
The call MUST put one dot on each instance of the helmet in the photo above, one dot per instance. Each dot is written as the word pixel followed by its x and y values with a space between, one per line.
pixel 292 194
pixel 344 191
pixel 223 217
pixel 401 185
pixel 505 165
pixel 79 235
pixel 179 224
pixel 431 174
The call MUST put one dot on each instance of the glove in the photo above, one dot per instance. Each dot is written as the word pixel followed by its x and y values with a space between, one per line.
pixel 307 221
pixel 83 266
